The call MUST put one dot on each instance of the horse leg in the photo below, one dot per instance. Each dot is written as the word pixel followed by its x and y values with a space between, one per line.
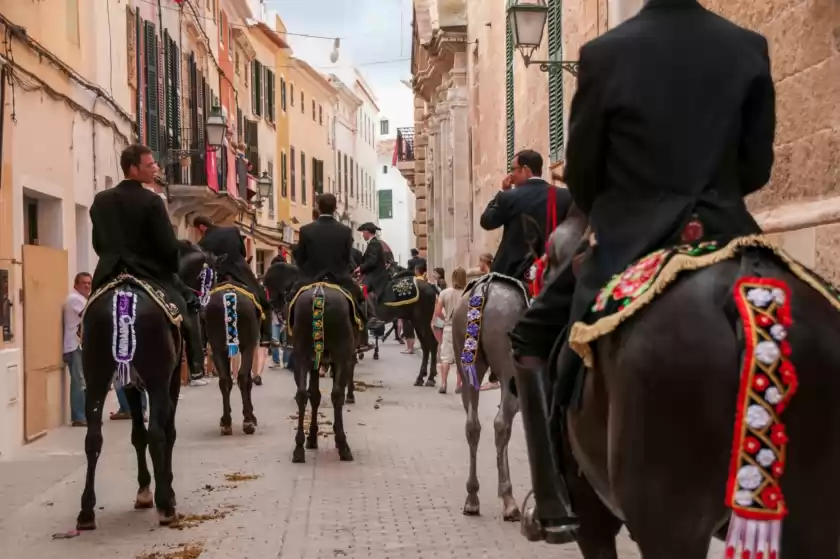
pixel 351 385
pixel 302 371
pixel 376 348
pixel 245 381
pixel 337 395
pixel 223 369
pixel 503 425
pixel 469 397
pixel 315 402
pixel 140 442
pixel 94 401
pixel 160 414
pixel 171 433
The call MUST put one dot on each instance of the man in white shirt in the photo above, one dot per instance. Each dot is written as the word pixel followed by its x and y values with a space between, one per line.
pixel 72 316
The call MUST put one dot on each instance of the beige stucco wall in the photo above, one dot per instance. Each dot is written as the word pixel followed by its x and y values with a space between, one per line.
pixel 802 201
pixel 308 135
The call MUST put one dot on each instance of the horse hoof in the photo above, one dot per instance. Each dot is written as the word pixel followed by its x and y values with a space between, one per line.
pixel 298 456
pixel 165 518
pixel 418 382
pixel 472 509
pixel 144 499
pixel 345 455
pixel 86 522
pixel 351 399
pixel 376 357
pixel 227 431
pixel 312 443
pixel 249 428
pixel 512 514
pixel 430 383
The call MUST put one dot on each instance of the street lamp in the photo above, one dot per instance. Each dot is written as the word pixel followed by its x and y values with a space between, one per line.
pixel 264 185
pixel 215 129
pixel 527 21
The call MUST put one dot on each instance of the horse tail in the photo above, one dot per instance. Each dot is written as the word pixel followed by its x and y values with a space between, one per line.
pixel 124 342
pixel 318 324
pixel 768 382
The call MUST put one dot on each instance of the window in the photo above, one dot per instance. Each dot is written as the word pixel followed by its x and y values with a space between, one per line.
pixel 270 171
pixel 230 38
pixel 383 127
pixel 236 57
pixel 292 160
pixel 313 110
pixel 338 172
pixel 257 88
pixel 302 104
pixel 384 169
pixel 509 103
pixel 270 102
pixel 303 187
pixel 386 204
pixel 260 262
pixel 317 176
pixel 556 143
pixel 152 93
pixel 320 115
pixel 283 94
pixel 352 178
pixel 131 43
pixel 346 180
pixel 292 94
pixel 284 187
pixel 73 21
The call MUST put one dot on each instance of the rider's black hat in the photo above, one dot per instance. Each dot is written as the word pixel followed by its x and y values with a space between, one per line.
pixel 369 227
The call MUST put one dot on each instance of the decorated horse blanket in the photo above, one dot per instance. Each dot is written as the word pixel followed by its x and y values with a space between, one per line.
pixel 640 283
pixel 400 291
pixel 229 286
pixel 478 291
pixel 121 301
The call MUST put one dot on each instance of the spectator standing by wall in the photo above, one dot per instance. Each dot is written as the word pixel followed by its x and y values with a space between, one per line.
pixel 446 303
pixel 72 317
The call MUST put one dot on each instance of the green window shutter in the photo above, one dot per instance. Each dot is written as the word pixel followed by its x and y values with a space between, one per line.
pixel 152 97
pixel 141 109
pixel 556 141
pixel 176 94
pixel 509 106
pixel 386 204
pixel 168 91
pixel 303 187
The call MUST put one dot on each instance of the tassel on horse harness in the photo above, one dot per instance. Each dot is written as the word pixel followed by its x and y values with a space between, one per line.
pixel 231 323
pixel 124 341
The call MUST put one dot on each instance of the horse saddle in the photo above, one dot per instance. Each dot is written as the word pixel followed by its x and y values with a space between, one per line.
pixel 158 296
pixel 324 284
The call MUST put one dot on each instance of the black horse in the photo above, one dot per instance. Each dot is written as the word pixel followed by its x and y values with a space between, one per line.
pixel 130 328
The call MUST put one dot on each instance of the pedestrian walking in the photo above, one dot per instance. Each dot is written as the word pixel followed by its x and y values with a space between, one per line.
pixel 72 317
pixel 442 322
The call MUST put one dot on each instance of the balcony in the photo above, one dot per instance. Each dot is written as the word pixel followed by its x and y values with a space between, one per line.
pixel 405 154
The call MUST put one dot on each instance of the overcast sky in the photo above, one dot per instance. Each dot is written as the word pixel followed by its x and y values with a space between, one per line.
pixel 375 37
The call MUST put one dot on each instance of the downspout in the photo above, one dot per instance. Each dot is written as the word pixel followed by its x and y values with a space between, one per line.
pixel 3 77
pixel 93 141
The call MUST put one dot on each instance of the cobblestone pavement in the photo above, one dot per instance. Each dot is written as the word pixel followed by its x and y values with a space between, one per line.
pixel 400 499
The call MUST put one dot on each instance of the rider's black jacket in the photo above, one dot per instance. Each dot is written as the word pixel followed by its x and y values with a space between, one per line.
pixel 373 265
pixel 132 233
pixel 324 248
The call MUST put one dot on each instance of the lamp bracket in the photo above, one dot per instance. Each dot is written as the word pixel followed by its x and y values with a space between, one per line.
pixel 555 66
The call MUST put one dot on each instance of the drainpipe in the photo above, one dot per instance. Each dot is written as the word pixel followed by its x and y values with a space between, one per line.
pixel 93 141
pixel 3 78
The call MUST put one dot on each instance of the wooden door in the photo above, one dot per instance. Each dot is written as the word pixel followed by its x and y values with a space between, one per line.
pixel 44 291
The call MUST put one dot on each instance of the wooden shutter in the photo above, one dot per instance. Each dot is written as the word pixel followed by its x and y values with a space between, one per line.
pixel 283 94
pixel 152 97
pixel 284 168
pixel 556 141
pixel 176 94
pixel 509 106
pixel 292 163
pixel 303 188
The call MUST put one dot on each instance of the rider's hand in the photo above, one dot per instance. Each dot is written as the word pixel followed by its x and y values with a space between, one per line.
pixel 507 182
pixel 356 272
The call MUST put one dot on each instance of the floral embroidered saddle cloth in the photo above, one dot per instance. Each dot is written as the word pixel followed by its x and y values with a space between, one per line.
pixel 630 291
pixel 157 295
pixel 401 291
pixel 356 318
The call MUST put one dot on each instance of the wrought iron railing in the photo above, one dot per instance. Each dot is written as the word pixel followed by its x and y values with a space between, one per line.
pixel 405 144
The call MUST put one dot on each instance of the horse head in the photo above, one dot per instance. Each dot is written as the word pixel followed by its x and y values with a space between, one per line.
pixel 198 269
pixel 280 280
pixel 564 242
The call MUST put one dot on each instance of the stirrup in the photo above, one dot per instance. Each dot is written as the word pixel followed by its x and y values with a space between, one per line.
pixel 533 530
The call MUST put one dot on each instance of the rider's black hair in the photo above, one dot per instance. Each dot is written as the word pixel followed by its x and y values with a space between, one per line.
pixel 326 203
pixel 202 220
pixel 531 159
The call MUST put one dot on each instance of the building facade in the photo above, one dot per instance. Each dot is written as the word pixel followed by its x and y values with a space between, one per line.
pixel 310 101
pixel 66 114
pixel 467 126
pixel 395 203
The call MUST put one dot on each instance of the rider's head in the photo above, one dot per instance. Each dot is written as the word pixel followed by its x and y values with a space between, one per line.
pixel 525 165
pixel 325 203
pixel 138 164
pixel 415 253
pixel 368 230
pixel 202 223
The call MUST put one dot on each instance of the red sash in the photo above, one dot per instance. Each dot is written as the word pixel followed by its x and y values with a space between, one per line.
pixel 536 284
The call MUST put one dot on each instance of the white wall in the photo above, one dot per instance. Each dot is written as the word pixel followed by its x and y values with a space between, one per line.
pixel 366 158
pixel 397 231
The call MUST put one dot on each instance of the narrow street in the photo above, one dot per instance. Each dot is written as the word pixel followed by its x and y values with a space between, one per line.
pixel 401 498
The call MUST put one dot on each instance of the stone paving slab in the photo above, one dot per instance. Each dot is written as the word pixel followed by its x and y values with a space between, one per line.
pixel 400 499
